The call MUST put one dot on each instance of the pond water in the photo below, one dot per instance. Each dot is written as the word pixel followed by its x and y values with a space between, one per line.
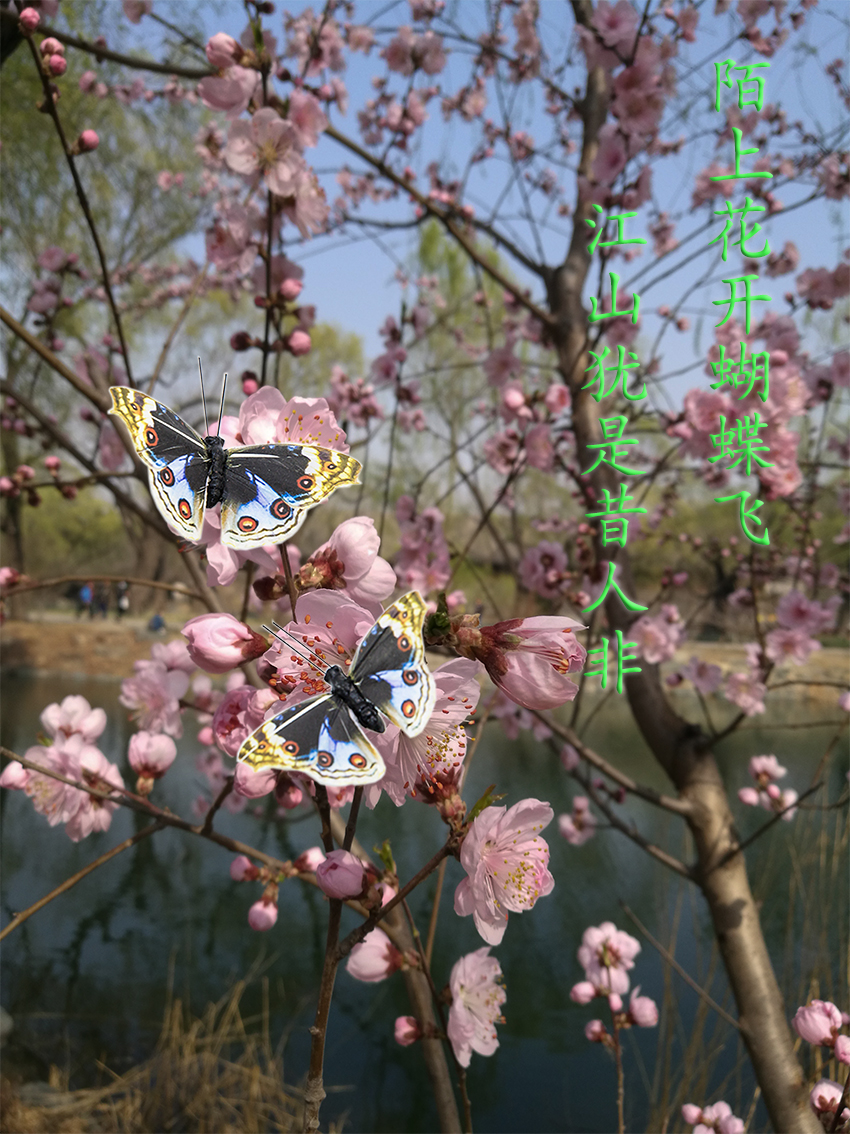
pixel 86 977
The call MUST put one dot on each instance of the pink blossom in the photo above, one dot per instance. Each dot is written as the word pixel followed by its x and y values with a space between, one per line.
pixel 173 655
pixel 74 715
pixel 842 1049
pixel 242 869
pixel 543 569
pixel 581 825
pixel 583 992
pixel 253 784
pixel 423 561
pixel 763 769
pixel 241 711
pixel 375 957
pixel 704 677
pixel 502 364
pixel 53 259
pixel 818 1022
pixel 507 866
pixel 330 632
pixel 656 636
pixel 29 20
pixel 796 612
pixel 825 1097
pixel 218 643
pixel 477 999
pixel 718 1117
pixel 262 915
pixel 341 875
pixel 268 144
pixel 309 860
pixel 407 1030
pixel 151 754
pixel 429 762
pixel 745 691
pixel 539 450
pixel 135 9
pixel 223 50
pixel 617 25
pixel 749 796
pixel 154 694
pixel 794 646
pixel 643 1011
pixel 606 954
pixel 307 116
pixel 595 1031
pixel 529 658
pixel 231 93
pixel 269 417
pixel 350 561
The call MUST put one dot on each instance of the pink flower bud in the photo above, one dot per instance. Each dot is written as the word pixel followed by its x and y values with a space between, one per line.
pixel 88 80
pixel 749 796
pixel 262 915
pixel 291 289
pixel 569 758
pixel 407 1030
pixel 818 1022
pixel 842 1049
pixel 88 141
pixel 288 793
pixel 242 869
pixel 643 1010
pixel 583 992
pixel 51 46
pixel 299 343
pixel 223 50
pixel 57 65
pixel 310 860
pixel 29 20
pixel 341 875
pixel 220 642
pixel 240 341
pixel 52 464
pixel 615 1002
pixel 250 385
pixel 691 1113
pixel 25 472
pixel 594 1030
pixel 151 754
pixel 826 1096
pixel 8 575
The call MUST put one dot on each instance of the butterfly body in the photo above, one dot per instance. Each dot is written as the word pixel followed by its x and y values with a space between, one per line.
pixel 323 735
pixel 265 491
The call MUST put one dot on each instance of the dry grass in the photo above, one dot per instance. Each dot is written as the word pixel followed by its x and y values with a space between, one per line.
pixel 208 1075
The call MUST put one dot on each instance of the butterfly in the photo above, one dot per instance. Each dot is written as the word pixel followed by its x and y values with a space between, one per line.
pixel 265 491
pixel 322 736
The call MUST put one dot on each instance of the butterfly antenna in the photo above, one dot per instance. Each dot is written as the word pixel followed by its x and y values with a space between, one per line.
pixel 311 658
pixel 203 398
pixel 221 407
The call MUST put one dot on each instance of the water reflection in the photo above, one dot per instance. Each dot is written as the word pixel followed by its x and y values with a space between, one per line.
pixel 88 974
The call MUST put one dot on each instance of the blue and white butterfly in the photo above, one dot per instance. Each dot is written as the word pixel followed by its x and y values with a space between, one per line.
pixel 265 491
pixel 322 736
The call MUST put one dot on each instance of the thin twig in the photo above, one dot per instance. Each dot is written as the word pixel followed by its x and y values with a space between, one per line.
pixel 674 964
pixel 178 323
pixel 20 918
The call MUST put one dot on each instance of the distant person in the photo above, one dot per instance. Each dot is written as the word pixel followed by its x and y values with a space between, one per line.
pixel 101 599
pixel 122 601
pixel 156 624
pixel 85 599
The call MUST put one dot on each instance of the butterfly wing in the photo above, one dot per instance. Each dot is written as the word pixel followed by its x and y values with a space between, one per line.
pixel 319 738
pixel 175 454
pixel 389 666
pixel 269 489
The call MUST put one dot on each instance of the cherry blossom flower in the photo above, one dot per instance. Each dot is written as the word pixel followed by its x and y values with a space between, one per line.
pixel 825 1097
pixel 717 1118
pixel 606 954
pixel 154 696
pixel 477 999
pixel 643 1011
pixel 374 958
pixel 74 715
pixel 223 50
pixel 507 866
pixel 423 561
pixel 419 765
pixel 309 860
pixel 745 691
pixel 543 569
pixel 243 870
pixel 230 92
pixel 528 658
pixel 350 561
pixel 241 711
pixel 581 825
pixel 657 636
pixel 219 642
pixel 704 677
pixel 341 875
pixel 268 144
pixel 794 646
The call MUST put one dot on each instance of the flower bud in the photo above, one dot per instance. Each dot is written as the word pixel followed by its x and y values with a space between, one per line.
pixel 240 341
pixel 87 142
pixel 151 754
pixel 594 1030
pixel 220 642
pixel 57 65
pixel 262 915
pixel 341 875
pixel 243 870
pixel 309 860
pixel 51 46
pixel 299 343
pixel 407 1030
pixel 583 992
pixel 223 50
pixel 29 21
pixel 290 289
